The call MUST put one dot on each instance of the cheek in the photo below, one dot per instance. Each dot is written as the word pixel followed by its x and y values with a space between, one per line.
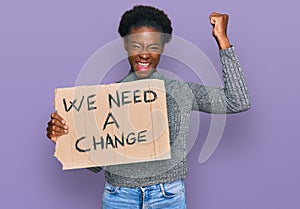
pixel 131 59
pixel 156 57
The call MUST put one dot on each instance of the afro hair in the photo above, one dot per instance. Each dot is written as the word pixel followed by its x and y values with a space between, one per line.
pixel 147 16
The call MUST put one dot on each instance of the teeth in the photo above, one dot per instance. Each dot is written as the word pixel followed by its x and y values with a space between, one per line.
pixel 144 64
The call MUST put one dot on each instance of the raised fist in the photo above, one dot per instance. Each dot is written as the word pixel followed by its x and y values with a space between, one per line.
pixel 219 30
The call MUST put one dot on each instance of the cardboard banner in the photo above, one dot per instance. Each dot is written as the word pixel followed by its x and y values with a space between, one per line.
pixel 113 124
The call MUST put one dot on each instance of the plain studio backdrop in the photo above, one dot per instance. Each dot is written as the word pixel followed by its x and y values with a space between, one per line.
pixel 44 45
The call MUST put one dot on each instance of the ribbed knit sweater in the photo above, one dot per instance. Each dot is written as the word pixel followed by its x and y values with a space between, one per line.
pixel 182 98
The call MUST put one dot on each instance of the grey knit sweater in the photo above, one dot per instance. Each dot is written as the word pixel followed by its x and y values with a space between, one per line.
pixel 183 97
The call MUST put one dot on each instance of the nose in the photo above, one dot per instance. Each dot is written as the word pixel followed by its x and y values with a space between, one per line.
pixel 144 55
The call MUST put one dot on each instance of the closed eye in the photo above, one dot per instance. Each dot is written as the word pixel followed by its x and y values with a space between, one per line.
pixel 135 46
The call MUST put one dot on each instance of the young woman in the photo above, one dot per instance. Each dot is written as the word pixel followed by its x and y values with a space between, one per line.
pixel 159 184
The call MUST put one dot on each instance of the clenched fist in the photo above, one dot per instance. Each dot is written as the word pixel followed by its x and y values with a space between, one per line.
pixel 219 30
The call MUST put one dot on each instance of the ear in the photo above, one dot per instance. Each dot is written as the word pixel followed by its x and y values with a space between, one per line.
pixel 125 44
pixel 163 48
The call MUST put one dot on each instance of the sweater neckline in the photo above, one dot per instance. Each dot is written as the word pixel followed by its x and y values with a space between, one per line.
pixel 131 76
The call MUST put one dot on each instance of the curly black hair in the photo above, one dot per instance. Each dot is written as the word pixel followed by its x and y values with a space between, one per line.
pixel 149 16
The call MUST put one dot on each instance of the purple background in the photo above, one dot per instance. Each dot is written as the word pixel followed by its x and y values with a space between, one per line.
pixel 44 44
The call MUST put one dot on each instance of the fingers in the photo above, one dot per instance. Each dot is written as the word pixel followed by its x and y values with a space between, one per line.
pixel 57 120
pixel 58 123
pixel 212 17
pixel 56 127
pixel 217 17
pixel 56 116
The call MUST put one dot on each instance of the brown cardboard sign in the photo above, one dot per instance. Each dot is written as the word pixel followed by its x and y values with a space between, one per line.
pixel 113 124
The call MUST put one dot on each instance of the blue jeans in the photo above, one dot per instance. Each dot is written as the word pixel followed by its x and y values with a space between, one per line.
pixel 165 195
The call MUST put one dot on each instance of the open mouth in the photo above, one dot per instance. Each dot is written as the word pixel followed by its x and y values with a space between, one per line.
pixel 143 66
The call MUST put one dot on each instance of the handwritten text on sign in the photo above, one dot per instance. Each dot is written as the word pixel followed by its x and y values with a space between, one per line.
pixel 113 124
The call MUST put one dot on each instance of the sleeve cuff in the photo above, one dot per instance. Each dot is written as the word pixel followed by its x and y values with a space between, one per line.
pixel 228 55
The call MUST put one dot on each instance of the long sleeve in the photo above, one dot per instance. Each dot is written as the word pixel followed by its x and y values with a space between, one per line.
pixel 232 98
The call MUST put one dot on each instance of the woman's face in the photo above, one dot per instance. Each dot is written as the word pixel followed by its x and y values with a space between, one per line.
pixel 144 46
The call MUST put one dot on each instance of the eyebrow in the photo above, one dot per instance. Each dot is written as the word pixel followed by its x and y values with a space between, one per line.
pixel 135 42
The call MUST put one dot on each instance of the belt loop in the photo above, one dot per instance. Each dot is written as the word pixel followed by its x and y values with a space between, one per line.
pixel 143 197
pixel 162 188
